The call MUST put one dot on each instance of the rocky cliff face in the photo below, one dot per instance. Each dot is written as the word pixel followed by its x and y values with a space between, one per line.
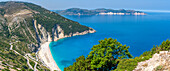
pixel 159 62
pixel 57 33
pixel 35 25
pixel 27 26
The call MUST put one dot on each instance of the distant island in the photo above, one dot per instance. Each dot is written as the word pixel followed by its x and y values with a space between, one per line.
pixel 99 11
pixel 27 29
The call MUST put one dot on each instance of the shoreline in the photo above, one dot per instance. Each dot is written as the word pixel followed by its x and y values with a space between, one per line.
pixel 47 58
pixel 45 54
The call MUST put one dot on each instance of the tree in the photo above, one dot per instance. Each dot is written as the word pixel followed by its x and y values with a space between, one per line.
pixel 104 56
pixel 165 45
pixel 79 65
pixel 130 64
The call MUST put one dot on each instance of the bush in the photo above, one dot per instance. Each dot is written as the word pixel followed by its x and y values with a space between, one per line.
pixel 130 64
pixel 103 57
pixel 158 68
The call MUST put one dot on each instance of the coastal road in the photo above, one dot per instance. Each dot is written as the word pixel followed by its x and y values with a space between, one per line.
pixel 27 55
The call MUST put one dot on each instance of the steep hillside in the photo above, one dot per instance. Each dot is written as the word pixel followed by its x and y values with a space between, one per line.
pixel 24 27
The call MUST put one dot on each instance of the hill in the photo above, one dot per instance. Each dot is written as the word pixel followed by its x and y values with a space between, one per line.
pixel 99 11
pixel 24 27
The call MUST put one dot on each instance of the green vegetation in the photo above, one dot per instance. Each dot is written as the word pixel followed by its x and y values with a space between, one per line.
pixel 104 56
pixel 18 32
pixel 111 55
pixel 32 63
pixel 130 64
pixel 159 68
pixel 12 60
pixel 78 11
pixel 46 17
pixel 9 57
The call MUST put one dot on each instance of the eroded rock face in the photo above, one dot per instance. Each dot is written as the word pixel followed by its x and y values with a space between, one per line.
pixel 24 22
pixel 159 62
pixel 43 36
pixel 57 33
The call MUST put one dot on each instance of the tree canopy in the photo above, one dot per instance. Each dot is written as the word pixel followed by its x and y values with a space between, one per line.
pixel 104 56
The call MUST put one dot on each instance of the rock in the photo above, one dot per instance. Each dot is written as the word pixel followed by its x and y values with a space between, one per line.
pixel 159 62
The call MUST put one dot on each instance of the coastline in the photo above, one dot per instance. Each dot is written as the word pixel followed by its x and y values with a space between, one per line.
pixel 45 54
pixel 47 58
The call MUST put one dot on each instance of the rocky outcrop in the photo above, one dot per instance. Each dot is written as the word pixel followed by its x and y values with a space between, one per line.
pixel 57 33
pixel 32 26
pixel 42 34
pixel 45 38
pixel 159 62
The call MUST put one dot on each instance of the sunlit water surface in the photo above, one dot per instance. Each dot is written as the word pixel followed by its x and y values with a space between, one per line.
pixel 138 32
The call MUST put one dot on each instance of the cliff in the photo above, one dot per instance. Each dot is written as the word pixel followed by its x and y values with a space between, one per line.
pixel 156 59
pixel 159 62
pixel 24 27
pixel 57 33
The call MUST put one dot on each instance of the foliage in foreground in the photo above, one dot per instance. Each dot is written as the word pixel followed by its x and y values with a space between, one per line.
pixel 130 64
pixel 104 56
pixel 111 55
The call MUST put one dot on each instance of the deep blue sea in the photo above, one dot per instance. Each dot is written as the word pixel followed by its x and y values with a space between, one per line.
pixel 138 32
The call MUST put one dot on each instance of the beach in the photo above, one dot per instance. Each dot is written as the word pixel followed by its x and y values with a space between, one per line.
pixel 46 56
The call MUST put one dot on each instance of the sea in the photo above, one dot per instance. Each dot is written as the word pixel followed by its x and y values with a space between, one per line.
pixel 141 33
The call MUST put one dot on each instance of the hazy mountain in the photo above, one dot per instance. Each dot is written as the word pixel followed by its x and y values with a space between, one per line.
pixel 99 11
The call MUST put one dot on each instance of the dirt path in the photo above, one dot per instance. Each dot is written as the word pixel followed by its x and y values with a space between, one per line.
pixel 35 67
pixel 26 57
pixel 28 63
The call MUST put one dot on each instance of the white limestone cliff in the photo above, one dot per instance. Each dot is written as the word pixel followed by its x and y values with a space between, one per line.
pixel 57 33
pixel 159 62
pixel 44 38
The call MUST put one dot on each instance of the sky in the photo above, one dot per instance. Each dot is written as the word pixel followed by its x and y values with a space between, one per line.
pixel 111 4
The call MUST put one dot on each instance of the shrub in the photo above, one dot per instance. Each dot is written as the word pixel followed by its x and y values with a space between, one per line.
pixel 158 68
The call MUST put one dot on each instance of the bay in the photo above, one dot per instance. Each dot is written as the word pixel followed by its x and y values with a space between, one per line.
pixel 138 32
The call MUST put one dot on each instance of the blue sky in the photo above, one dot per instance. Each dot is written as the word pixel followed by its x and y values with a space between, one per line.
pixel 113 4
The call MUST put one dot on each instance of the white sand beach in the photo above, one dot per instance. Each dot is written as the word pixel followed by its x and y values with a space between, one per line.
pixel 46 56
pixel 45 53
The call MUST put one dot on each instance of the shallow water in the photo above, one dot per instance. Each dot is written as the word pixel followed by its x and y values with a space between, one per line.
pixel 138 32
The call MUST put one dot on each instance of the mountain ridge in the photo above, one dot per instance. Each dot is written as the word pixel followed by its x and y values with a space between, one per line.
pixel 98 11
pixel 24 27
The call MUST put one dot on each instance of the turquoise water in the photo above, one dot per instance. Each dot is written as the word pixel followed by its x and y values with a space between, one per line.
pixel 138 32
